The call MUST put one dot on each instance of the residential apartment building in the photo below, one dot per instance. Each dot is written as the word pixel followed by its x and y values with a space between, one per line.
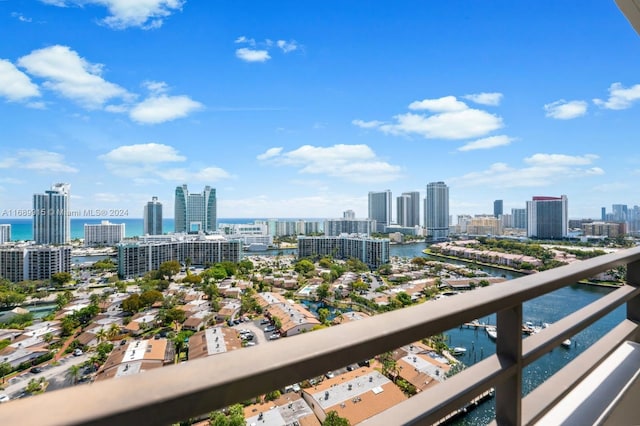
pixel 195 212
pixel 374 252
pixel 335 227
pixel 30 262
pixel 604 229
pixel 5 233
pixel 104 233
pixel 152 217
pixel 436 211
pixel 547 217
pixel 52 215
pixel 137 258
pixel 484 225
pixel 408 209
pixel 380 209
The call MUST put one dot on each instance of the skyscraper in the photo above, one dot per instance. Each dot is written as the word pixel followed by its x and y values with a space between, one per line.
pixel 408 209
pixel 436 211
pixel 497 208
pixel 380 209
pixel 5 233
pixel 547 217
pixel 51 215
pixel 519 217
pixel 153 217
pixel 195 212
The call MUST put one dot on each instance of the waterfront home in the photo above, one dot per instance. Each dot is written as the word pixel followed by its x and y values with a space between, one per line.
pixel 419 365
pixel 294 318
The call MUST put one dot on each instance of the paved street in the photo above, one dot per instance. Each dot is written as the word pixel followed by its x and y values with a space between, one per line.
pixel 53 374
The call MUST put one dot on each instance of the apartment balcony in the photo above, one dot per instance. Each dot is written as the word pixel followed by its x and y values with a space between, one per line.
pixel 599 387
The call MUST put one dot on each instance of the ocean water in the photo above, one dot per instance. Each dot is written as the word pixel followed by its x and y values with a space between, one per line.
pixel 21 229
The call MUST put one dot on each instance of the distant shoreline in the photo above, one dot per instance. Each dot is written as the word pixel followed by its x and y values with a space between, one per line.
pixel 519 271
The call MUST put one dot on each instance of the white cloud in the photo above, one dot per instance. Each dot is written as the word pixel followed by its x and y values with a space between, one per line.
pixel 15 85
pixel 367 124
pixel 155 87
pixel 452 119
pixel 357 163
pixel 542 170
pixel 251 55
pixel 287 46
pixel 158 109
pixel 148 153
pixel 444 104
pixel 565 110
pixel 243 39
pixel 468 123
pixel 145 14
pixel 487 143
pixel 71 76
pixel 38 160
pixel 271 152
pixel 620 97
pixel 491 99
pixel 20 17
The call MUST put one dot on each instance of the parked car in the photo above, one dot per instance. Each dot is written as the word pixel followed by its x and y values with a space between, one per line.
pixel 77 352
pixel 264 321
pixel 4 398
pixel 36 370
pixel 274 337
pixel 270 329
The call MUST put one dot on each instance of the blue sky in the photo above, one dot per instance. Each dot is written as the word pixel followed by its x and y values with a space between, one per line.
pixel 299 109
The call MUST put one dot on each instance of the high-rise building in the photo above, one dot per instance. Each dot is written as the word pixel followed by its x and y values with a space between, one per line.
pixel 335 227
pixel 348 214
pixel 547 217
pixel 104 233
pixel 51 215
pixel 374 252
pixel 436 211
pixel 380 209
pixel 195 212
pixel 497 208
pixel 620 212
pixel 153 217
pixel 5 233
pixel 30 262
pixel 408 209
pixel 519 218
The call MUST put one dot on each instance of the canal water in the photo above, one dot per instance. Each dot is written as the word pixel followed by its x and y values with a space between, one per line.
pixel 548 308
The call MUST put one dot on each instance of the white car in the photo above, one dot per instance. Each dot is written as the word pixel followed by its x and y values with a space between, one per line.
pixel 4 398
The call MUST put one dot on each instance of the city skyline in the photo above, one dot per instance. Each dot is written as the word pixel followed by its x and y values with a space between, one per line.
pixel 303 112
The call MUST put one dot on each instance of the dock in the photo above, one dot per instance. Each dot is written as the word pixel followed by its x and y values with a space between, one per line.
pixel 467 408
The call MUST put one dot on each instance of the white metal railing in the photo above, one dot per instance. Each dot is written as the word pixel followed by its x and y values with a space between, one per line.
pixel 165 395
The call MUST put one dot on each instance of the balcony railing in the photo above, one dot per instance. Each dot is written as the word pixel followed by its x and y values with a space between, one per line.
pixel 174 393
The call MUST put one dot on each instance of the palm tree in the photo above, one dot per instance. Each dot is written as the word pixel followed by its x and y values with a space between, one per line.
pixel 102 335
pixel 114 331
pixel 73 374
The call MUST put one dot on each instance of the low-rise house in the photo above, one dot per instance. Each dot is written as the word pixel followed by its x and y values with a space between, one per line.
pixel 213 341
pixel 16 355
pixel 355 395
pixel 289 409
pixel 349 317
pixel 136 357
pixel 294 318
pixel 419 365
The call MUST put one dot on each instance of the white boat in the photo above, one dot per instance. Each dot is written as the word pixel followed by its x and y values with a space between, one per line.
pixel 492 332
pixel 566 343
pixel 458 350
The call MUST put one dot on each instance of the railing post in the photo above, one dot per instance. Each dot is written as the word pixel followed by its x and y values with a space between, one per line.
pixel 509 351
pixel 633 305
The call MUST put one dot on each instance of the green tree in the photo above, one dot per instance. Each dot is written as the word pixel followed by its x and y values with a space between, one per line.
pixel 304 266
pixel 333 419
pixel 5 368
pixel 323 315
pixel 60 278
pixel 169 268
pixel 322 292
pixel 73 374
pixel 132 303
pixel 270 396
pixel 149 297
pixel 102 335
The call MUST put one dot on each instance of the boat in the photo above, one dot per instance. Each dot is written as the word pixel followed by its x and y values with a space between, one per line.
pixel 458 350
pixel 566 343
pixel 492 332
